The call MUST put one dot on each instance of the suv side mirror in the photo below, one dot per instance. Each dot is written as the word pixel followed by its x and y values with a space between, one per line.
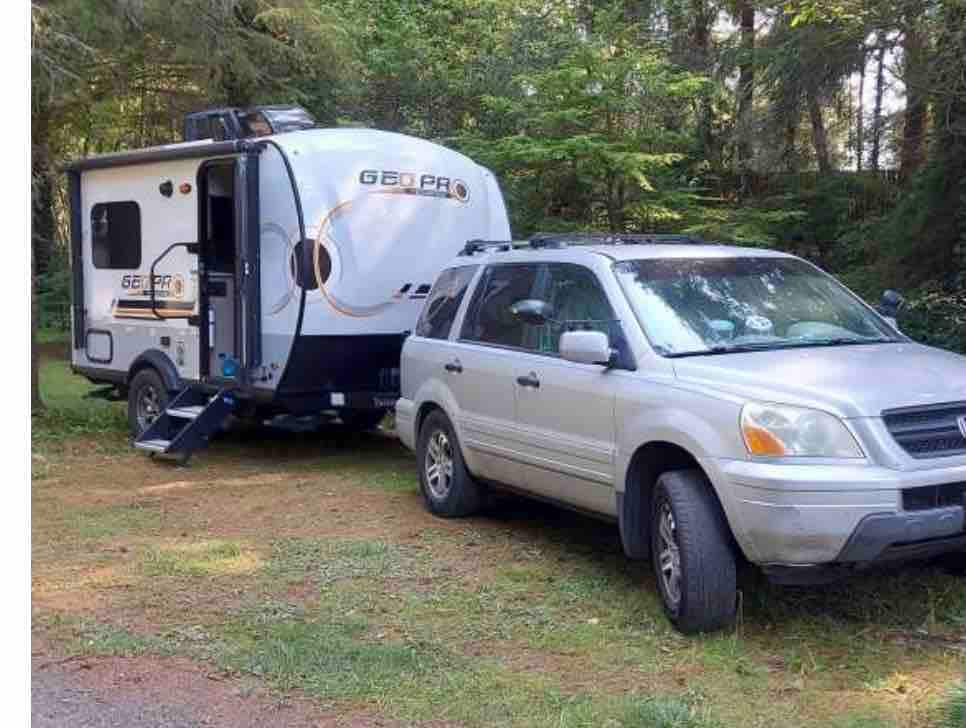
pixel 889 305
pixel 586 347
pixel 533 312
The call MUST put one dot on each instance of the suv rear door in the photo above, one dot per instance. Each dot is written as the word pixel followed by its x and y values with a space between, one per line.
pixel 482 372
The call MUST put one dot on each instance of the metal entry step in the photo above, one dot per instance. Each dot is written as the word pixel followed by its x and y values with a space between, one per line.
pixel 186 413
pixel 188 423
pixel 152 445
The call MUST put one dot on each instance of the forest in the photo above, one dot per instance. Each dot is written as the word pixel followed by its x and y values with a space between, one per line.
pixel 833 130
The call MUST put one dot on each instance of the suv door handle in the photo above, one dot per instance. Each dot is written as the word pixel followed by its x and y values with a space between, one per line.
pixel 454 366
pixel 529 381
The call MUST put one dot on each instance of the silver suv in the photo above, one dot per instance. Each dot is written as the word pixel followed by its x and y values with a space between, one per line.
pixel 715 401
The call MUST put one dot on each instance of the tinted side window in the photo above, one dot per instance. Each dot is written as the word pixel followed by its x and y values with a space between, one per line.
pixel 116 235
pixel 444 301
pixel 489 319
pixel 579 303
pixel 255 124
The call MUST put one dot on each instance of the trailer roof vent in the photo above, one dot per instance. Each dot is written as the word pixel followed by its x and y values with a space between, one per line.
pixel 234 123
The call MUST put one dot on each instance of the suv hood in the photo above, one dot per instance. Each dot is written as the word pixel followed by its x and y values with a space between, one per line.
pixel 850 381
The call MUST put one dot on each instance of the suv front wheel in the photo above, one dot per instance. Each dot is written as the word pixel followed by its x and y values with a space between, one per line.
pixel 694 561
pixel 448 488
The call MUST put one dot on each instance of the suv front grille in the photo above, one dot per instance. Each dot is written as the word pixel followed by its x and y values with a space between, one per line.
pixel 928 432
pixel 934 496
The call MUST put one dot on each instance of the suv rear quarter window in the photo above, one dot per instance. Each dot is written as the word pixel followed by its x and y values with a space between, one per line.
pixel 444 301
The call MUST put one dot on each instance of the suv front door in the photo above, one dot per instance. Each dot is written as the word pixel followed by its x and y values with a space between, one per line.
pixel 564 410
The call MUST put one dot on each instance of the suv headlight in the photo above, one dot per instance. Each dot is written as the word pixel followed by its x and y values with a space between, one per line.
pixel 776 430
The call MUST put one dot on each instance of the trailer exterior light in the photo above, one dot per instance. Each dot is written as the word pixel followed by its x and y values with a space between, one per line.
pixel 185 188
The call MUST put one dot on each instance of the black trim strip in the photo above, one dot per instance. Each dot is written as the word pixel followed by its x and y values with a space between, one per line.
pixel 160 154
pixel 77 258
pixel 250 281
pixel 301 216
pixel 146 305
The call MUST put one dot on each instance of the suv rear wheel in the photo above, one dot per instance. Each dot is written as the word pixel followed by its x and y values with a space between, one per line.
pixel 448 488
pixel 694 561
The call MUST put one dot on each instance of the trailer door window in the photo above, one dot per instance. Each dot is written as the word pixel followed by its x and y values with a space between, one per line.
pixel 444 301
pixel 116 235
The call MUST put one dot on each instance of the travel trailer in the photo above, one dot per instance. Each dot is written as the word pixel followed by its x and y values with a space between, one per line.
pixel 273 275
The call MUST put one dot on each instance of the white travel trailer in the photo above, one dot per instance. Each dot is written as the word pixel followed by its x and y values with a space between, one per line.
pixel 277 275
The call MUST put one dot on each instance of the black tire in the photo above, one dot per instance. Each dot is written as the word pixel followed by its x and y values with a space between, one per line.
pixel 460 495
pixel 146 386
pixel 954 563
pixel 706 597
pixel 360 420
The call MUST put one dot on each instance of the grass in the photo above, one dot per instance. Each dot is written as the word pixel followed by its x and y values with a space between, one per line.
pixel 309 565
pixel 69 413
pixel 203 559
pixel 953 710
pixel 53 336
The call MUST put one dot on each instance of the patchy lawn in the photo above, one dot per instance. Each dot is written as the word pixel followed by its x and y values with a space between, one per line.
pixel 307 567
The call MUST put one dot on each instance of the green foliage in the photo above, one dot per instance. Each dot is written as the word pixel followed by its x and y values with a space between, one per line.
pixel 590 141
pixel 69 414
pixel 609 114
pixel 937 317
pixel 954 711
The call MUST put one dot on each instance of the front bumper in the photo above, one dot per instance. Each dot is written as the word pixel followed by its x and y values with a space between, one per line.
pixel 799 515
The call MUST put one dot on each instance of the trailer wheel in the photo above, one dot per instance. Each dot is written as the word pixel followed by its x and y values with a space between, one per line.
pixel 147 398
pixel 447 486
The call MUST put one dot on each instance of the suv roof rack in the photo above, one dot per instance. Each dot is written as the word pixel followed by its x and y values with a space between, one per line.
pixel 480 246
pixel 544 241
pixel 560 240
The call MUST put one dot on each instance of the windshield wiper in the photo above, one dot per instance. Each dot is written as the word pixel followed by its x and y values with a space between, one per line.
pixel 849 340
pixel 775 345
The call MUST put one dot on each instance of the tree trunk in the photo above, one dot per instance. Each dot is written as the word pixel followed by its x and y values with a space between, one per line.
pixel 819 135
pixel 914 122
pixel 36 401
pixel 860 119
pixel 746 82
pixel 700 41
pixel 877 111
pixel 42 228
pixel 790 153
pixel 42 192
pixel 937 250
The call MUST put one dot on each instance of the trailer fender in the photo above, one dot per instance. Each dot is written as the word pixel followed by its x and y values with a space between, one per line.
pixel 160 362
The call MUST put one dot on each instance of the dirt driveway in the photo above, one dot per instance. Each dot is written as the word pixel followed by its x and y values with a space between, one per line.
pixel 297 580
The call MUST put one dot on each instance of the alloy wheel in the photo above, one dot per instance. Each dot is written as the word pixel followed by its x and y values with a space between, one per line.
pixel 439 465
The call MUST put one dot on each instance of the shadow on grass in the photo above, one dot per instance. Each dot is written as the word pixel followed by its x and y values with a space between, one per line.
pixel 907 596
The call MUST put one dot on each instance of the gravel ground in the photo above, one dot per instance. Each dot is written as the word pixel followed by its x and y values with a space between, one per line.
pixel 146 692
pixel 59 699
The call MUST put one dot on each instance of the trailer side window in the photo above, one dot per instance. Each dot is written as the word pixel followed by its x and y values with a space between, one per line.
pixel 116 235
pixel 444 301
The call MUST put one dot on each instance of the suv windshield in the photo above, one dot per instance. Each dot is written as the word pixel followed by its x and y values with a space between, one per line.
pixel 695 306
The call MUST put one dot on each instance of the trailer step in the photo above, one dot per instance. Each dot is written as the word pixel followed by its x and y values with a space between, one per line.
pixel 153 445
pixel 186 413
pixel 188 423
